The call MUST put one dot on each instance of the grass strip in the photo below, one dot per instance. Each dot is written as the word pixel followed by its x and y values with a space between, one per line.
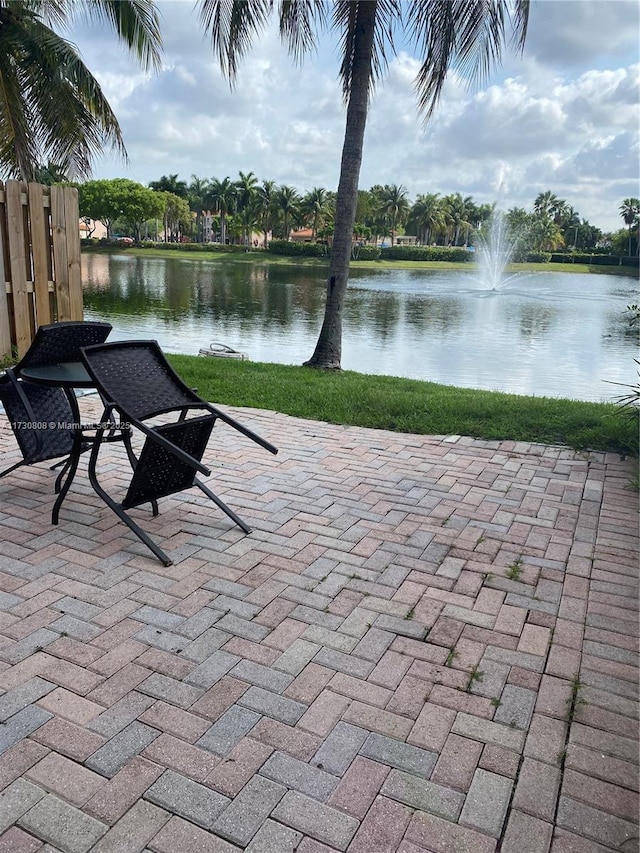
pixel 410 406
pixel 250 258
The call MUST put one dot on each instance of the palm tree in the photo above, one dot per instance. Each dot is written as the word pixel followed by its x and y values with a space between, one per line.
pixel 546 235
pixel 630 212
pixel 570 225
pixel 316 207
pixel 287 202
pixel 468 35
pixel 457 215
pixel 52 108
pixel 265 196
pixel 394 206
pixel 246 188
pixel 426 217
pixel 170 184
pixel 222 197
pixel 548 204
pixel 197 192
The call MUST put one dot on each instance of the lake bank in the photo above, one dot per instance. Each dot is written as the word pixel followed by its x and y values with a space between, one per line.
pixel 409 406
pixel 252 257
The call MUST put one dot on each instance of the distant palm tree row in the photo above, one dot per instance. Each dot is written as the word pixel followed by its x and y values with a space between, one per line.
pixel 245 206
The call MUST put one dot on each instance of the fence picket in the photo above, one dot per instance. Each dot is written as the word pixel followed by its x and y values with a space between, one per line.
pixel 40 274
pixel 5 326
pixel 41 248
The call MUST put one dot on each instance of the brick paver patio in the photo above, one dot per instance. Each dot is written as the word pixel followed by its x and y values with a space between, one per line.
pixel 427 645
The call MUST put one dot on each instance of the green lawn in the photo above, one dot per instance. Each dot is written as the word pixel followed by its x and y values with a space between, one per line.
pixel 406 405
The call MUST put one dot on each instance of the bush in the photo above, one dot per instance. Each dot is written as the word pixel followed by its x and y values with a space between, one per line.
pixel 595 258
pixel 306 250
pixel 427 253
pixel 200 247
pixel 366 253
pixel 537 257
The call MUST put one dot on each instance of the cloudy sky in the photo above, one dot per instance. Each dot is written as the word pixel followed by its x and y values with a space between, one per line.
pixel 562 117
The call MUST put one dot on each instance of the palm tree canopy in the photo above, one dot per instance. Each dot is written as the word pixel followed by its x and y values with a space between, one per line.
pixel 630 210
pixel 51 106
pixel 222 195
pixel 170 184
pixel 466 36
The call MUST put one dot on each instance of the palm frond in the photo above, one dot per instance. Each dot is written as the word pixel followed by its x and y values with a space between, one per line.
pixel 136 23
pixel 232 26
pixel 467 35
pixel 62 114
pixel 299 20
pixel 345 21
pixel 18 148
pixel 631 400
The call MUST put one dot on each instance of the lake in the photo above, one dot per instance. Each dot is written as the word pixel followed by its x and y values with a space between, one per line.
pixel 546 334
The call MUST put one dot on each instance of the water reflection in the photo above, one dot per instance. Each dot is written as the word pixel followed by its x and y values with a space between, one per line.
pixel 536 320
pixel 552 335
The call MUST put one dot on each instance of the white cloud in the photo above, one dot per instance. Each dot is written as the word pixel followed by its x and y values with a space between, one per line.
pixel 563 117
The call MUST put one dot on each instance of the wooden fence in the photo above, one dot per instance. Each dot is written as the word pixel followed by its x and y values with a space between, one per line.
pixel 39 261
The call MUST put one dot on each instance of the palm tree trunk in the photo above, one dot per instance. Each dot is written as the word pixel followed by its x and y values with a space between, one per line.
pixel 328 350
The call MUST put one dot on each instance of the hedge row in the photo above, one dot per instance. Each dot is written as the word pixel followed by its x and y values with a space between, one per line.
pixel 373 253
pixel 427 253
pixel 594 259
pixel 537 257
pixel 300 250
pixel 231 248
pixel 177 247
pixel 366 253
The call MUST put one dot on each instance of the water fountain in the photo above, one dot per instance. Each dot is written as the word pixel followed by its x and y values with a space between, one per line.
pixel 495 250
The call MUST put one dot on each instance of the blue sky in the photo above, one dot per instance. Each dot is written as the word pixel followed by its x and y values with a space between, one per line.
pixel 561 117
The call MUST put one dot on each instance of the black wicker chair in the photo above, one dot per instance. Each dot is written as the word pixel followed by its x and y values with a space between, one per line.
pixel 31 408
pixel 139 384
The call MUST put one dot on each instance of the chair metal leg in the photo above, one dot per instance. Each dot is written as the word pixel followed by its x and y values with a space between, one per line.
pixel 122 515
pixel 220 503
pixel 12 468
pixel 69 472
pixel 65 467
pixel 139 532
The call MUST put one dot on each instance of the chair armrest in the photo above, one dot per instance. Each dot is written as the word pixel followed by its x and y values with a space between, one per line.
pixel 243 429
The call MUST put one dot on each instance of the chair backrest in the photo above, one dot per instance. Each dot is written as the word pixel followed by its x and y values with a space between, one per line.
pixel 60 342
pixel 31 410
pixel 136 376
pixel 159 472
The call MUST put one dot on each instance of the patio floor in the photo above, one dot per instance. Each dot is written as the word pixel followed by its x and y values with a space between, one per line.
pixel 427 645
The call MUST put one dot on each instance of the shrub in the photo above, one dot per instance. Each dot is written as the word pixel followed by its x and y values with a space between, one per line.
pixel 427 253
pixel 366 253
pixel 538 257
pixel 307 250
pixel 200 247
